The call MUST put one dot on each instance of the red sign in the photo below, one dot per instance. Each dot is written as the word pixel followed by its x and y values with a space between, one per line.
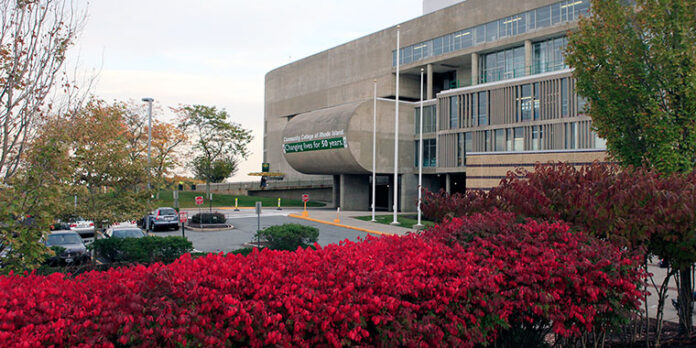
pixel 182 217
pixel 199 200
pixel 305 197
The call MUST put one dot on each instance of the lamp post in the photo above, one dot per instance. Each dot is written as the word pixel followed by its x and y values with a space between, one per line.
pixel 374 149
pixel 149 142
pixel 149 137
pixel 420 155
pixel 396 129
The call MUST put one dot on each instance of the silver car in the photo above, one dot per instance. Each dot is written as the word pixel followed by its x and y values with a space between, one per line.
pixel 163 218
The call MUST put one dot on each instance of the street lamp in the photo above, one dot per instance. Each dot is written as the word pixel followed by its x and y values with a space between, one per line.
pixel 149 142
pixel 149 136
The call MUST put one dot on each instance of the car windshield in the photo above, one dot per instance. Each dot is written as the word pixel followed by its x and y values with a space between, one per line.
pixel 63 239
pixel 129 233
pixel 167 211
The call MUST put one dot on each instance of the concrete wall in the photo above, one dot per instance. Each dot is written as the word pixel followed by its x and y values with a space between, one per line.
pixel 355 192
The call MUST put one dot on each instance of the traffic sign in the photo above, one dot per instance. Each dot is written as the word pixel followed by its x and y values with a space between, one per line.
pixel 199 200
pixel 305 198
pixel 182 217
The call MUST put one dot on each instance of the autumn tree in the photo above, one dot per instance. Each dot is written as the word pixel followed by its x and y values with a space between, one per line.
pixel 637 68
pixel 217 142
pixel 34 38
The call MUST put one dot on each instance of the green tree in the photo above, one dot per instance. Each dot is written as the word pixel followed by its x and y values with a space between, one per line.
pixel 218 143
pixel 637 68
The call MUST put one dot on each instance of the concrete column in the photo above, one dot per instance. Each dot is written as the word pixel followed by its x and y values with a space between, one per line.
pixel 336 190
pixel 527 57
pixel 429 83
pixel 448 183
pixel 409 192
pixel 355 192
pixel 474 69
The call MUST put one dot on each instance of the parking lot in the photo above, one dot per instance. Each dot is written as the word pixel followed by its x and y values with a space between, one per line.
pixel 245 224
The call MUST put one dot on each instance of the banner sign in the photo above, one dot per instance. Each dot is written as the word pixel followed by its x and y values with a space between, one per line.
pixel 314 145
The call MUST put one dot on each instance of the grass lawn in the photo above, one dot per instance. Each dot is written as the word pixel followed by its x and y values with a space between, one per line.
pixel 404 220
pixel 187 200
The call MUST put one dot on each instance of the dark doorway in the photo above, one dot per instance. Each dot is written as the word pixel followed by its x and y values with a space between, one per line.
pixel 458 183
pixel 381 193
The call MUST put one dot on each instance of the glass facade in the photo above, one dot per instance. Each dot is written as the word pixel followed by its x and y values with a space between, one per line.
pixel 429 153
pixel 548 55
pixel 555 14
pixel 429 121
pixel 454 115
pixel 501 65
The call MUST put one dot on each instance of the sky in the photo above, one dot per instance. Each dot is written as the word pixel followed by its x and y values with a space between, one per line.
pixel 217 52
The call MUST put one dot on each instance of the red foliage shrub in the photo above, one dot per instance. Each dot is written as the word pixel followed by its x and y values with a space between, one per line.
pixel 412 291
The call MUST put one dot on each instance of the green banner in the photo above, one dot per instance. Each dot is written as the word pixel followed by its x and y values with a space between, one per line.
pixel 314 145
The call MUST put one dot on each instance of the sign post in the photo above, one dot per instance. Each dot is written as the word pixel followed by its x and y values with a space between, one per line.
pixel 305 199
pixel 183 218
pixel 199 202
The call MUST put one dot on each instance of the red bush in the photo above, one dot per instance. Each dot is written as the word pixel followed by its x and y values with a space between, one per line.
pixel 412 291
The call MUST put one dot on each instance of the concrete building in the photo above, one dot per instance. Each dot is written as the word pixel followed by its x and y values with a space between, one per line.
pixel 498 96
pixel 434 5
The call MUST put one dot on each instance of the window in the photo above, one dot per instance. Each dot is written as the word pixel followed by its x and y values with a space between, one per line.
pixel 487 141
pixel 460 150
pixel 428 120
pixel 503 64
pixel 454 108
pixel 429 156
pixel 518 144
pixel 526 102
pixel 570 135
pixel 499 140
pixel 468 143
pixel 599 143
pixel 543 17
pixel 581 104
pixel 537 135
pixel 564 97
pixel 492 31
pixel 548 55
pixel 483 108
pixel 536 101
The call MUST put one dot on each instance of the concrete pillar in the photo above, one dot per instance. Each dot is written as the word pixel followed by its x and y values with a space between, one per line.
pixel 336 190
pixel 474 69
pixel 408 193
pixel 527 57
pixel 448 183
pixel 355 192
pixel 429 83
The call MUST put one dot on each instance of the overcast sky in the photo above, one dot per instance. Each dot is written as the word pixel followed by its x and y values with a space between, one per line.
pixel 216 52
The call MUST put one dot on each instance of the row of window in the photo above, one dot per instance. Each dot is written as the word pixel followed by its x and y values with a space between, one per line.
pixel 526 106
pixel 560 12
pixel 510 63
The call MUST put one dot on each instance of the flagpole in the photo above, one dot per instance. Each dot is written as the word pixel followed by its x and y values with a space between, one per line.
pixel 374 149
pixel 396 129
pixel 420 156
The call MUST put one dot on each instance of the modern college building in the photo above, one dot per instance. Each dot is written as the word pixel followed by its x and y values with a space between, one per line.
pixel 497 93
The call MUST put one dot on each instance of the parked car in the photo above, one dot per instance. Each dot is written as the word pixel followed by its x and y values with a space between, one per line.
pixel 85 228
pixel 162 218
pixel 74 250
pixel 124 230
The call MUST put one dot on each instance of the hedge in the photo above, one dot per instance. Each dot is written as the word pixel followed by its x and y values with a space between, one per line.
pixel 142 250
pixel 289 236
pixel 452 286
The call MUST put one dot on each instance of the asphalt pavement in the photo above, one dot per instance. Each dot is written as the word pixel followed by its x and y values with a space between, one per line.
pixel 245 224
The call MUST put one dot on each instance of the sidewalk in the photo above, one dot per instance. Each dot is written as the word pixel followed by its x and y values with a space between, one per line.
pixel 347 219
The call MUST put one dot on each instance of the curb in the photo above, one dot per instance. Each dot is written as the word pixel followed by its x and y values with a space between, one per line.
pixel 377 233
pixel 196 229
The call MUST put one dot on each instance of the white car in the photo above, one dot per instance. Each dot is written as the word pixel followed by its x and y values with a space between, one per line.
pixel 85 228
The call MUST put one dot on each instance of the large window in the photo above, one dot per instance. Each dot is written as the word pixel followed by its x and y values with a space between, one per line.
pixel 571 135
pixel 536 101
pixel 429 153
pixel 429 121
pixel 518 142
pixel 482 108
pixel 524 102
pixel 502 65
pixel 537 136
pixel 548 55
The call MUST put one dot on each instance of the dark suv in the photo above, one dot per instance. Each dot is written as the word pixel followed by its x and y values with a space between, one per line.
pixel 162 218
